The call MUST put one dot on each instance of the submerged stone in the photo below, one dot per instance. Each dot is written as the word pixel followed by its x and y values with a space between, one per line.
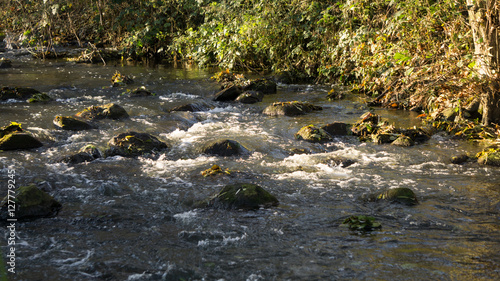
pixel 401 195
pixel 16 141
pixel 71 123
pixel 223 148
pixel 337 129
pixel 291 108
pixel 132 144
pixel 244 196
pixel 110 111
pixel 31 202
pixel 311 133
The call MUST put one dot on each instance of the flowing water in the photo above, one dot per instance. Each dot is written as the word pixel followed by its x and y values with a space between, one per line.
pixel 130 219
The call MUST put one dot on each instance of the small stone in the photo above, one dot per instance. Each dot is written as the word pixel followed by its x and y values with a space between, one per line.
pixel 71 123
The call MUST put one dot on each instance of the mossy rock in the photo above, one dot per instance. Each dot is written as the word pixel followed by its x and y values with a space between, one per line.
pixel 109 111
pixel 334 95
pixel 403 141
pixel 31 202
pixel 223 148
pixel 41 97
pixel 401 195
pixel 215 170
pixel 489 157
pixel 16 141
pixel 132 144
pixel 264 86
pixel 13 127
pixel 311 133
pixel 244 196
pixel 250 97
pixel 71 123
pixel 229 93
pixel 460 159
pixel 17 93
pixel 87 153
pixel 292 108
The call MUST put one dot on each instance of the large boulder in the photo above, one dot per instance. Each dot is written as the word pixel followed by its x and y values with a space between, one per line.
pixel 71 123
pixel 244 196
pixel 132 144
pixel 17 93
pixel 30 202
pixel 110 111
pixel 311 133
pixel 223 148
pixel 291 108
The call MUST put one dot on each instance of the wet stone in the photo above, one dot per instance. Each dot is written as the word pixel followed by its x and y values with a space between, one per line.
pixel 31 203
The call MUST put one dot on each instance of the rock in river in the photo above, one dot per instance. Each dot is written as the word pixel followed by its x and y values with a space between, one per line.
pixel 13 137
pixel 31 202
pixel 17 93
pixel 132 144
pixel 244 196
pixel 223 148
pixel 401 195
pixel 311 133
pixel 110 111
pixel 71 123
pixel 291 108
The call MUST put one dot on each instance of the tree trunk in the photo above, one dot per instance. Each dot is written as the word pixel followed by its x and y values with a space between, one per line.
pixel 484 18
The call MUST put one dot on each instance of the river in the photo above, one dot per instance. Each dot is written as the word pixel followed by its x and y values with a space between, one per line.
pixel 131 218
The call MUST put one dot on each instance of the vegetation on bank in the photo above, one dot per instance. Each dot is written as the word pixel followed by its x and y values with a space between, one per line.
pixel 414 54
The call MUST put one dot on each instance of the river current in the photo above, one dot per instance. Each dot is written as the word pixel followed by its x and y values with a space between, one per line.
pixel 131 218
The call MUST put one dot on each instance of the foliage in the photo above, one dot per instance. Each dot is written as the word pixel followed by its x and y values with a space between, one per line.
pixel 405 54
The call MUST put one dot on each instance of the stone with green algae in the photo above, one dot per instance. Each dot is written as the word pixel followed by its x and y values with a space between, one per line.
pixel 244 196
pixel 29 202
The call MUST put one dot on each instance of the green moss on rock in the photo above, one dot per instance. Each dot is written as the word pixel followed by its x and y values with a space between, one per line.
pixel 402 195
pixel 489 157
pixel 31 202
pixel 311 133
pixel 291 108
pixel 244 196
pixel 223 148
pixel 109 111
pixel 71 123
